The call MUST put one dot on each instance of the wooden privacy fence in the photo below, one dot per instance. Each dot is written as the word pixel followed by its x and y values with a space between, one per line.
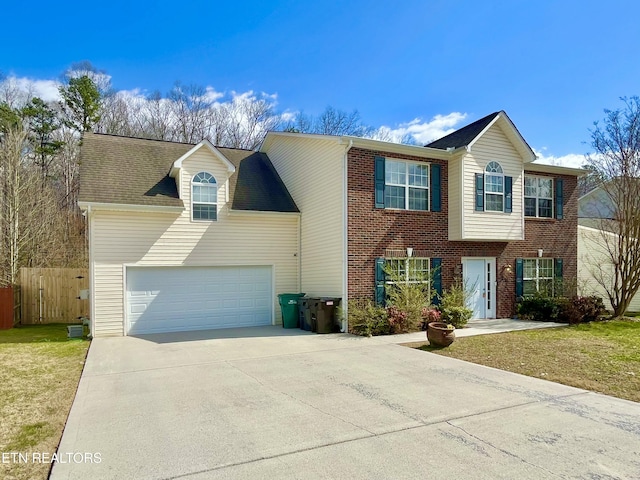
pixel 52 295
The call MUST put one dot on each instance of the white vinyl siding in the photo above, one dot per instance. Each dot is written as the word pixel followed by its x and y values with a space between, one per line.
pixel 165 239
pixel 312 170
pixel 493 145
pixel 454 173
pixel 593 258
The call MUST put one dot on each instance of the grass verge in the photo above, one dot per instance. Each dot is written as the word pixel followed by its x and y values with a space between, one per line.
pixel 602 357
pixel 39 373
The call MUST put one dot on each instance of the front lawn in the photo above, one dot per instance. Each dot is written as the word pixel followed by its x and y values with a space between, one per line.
pixel 599 356
pixel 39 373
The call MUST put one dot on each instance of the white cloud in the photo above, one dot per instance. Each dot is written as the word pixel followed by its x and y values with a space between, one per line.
pixel 421 131
pixel 573 160
pixel 47 90
pixel 212 95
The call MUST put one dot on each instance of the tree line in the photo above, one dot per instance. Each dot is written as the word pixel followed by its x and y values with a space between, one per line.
pixel 40 223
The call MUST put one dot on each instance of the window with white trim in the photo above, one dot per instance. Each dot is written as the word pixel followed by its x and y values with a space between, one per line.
pixel 494 188
pixel 407 270
pixel 204 197
pixel 406 185
pixel 538 276
pixel 538 197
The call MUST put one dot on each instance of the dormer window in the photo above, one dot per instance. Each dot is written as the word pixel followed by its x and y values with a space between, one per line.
pixel 494 187
pixel 204 197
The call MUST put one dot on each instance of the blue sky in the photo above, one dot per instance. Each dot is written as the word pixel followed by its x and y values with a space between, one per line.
pixel 552 65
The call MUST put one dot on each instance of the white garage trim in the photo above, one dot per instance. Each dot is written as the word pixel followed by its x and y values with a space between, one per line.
pixel 261 312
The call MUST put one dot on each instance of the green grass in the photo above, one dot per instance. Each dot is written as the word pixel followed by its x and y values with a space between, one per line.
pixel 599 356
pixel 39 373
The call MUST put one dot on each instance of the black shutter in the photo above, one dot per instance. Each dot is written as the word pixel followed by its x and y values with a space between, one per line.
pixel 380 279
pixel 479 192
pixel 559 198
pixel 379 179
pixel 436 189
pixel 557 277
pixel 508 197
pixel 519 277
pixel 436 276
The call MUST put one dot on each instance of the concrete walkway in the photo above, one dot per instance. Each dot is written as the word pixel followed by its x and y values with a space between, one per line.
pixel 275 403
pixel 482 326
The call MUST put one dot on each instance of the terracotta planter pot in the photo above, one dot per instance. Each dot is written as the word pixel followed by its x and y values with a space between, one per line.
pixel 439 334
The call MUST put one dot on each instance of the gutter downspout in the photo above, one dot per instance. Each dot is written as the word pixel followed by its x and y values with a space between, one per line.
pixel 345 238
pixel 92 297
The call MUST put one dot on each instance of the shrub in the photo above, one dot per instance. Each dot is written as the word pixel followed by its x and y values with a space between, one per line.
pixel 367 319
pixel 398 320
pixel 579 309
pixel 456 316
pixel 409 298
pixel 453 305
pixel 538 308
pixel 430 314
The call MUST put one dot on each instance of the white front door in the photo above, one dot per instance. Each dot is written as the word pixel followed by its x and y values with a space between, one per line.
pixel 479 280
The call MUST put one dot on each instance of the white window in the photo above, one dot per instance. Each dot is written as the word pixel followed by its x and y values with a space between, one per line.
pixel 204 197
pixel 407 270
pixel 494 188
pixel 538 276
pixel 406 185
pixel 538 197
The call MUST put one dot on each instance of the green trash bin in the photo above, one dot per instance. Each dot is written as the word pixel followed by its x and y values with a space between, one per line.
pixel 289 308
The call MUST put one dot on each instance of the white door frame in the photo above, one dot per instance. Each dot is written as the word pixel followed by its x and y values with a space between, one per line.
pixel 489 284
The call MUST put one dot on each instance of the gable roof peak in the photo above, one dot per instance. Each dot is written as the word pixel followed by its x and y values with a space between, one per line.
pixel 465 135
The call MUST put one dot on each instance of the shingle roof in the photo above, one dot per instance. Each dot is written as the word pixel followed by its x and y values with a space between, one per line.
pixel 135 171
pixel 256 185
pixel 464 136
pixel 130 171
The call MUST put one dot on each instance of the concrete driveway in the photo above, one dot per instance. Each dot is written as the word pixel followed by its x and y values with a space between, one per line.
pixel 275 403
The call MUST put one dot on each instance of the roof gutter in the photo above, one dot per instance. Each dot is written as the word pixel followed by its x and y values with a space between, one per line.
pixel 123 207
pixel 262 212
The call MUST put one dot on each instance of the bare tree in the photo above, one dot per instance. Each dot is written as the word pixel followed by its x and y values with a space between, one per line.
pixel 331 121
pixel 191 111
pixel 246 120
pixel 154 117
pixel 616 169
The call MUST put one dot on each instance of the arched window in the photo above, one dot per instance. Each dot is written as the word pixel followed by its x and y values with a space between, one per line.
pixel 204 197
pixel 494 187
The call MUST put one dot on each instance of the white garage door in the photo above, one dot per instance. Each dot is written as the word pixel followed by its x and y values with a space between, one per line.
pixel 172 299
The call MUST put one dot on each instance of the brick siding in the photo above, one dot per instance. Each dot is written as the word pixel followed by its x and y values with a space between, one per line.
pixel 371 231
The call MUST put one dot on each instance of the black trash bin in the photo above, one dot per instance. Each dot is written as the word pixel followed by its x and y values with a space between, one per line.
pixel 324 311
pixel 304 311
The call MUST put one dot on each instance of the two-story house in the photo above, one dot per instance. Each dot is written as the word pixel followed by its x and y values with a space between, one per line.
pixel 193 236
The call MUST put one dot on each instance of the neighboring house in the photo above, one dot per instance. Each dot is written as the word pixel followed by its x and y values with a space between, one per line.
pixel 596 231
pixel 471 205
